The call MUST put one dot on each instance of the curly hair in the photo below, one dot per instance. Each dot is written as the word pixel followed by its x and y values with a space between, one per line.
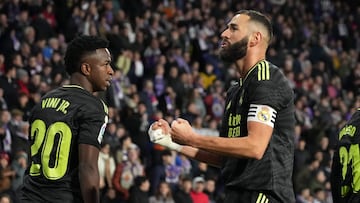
pixel 80 47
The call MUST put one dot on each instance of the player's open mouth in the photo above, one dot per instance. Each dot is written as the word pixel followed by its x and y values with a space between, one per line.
pixel 224 44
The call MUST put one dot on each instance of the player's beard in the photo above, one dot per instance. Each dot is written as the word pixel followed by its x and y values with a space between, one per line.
pixel 234 51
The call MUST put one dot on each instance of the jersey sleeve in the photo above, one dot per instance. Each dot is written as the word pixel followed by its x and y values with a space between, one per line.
pixel 275 93
pixel 92 124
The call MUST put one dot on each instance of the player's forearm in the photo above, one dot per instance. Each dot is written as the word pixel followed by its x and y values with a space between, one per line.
pixel 235 147
pixel 89 184
pixel 202 155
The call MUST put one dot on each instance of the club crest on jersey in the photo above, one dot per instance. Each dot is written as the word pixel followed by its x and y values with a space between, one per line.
pixel 264 114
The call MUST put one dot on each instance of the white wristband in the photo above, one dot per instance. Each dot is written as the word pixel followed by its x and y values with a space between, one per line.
pixel 175 146
pixel 158 137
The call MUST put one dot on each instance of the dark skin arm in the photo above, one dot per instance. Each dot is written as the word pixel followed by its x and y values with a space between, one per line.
pixel 89 173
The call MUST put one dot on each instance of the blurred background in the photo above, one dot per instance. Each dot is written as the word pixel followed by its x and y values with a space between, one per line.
pixel 166 66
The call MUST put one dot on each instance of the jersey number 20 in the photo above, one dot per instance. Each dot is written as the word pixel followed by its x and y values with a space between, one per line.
pixel 53 144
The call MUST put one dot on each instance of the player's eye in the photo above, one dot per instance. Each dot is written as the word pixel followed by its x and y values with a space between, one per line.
pixel 233 28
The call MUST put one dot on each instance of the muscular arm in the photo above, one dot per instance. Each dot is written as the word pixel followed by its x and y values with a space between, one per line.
pixel 89 173
pixel 202 155
pixel 206 156
pixel 252 146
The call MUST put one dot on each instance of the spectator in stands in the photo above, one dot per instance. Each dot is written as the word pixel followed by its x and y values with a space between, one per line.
pixel 9 85
pixel 210 186
pixel 121 153
pixel 163 194
pixel 3 104
pixel 106 164
pixel 5 132
pixel 139 191
pixel 126 173
pixel 182 193
pixel 19 165
pixel 165 171
pixel 6 175
pixel 197 193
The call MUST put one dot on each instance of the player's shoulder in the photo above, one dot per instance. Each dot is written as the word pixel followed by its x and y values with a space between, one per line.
pixel 355 118
pixel 85 99
pixel 351 130
pixel 234 85
pixel 265 71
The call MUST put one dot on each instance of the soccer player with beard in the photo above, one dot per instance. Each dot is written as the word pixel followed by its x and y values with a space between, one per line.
pixel 255 149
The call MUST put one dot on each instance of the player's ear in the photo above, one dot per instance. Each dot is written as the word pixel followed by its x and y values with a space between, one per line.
pixel 255 38
pixel 85 69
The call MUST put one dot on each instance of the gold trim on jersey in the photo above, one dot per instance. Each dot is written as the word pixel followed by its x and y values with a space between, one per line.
pixel 106 109
pixel 77 86
pixel 228 105
pixel 262 198
pixel 248 73
pixel 263 71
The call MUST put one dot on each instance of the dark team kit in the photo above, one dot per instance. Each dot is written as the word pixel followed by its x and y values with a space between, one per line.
pixel 55 131
pixel 261 86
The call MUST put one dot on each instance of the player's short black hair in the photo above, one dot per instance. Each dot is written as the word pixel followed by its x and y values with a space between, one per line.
pixel 260 18
pixel 79 47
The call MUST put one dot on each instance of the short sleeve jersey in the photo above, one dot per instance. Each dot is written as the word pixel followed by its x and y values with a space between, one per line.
pixel 345 173
pixel 63 119
pixel 264 85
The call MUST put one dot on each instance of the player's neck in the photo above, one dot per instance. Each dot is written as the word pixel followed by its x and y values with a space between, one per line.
pixel 78 79
pixel 244 66
pixel 249 61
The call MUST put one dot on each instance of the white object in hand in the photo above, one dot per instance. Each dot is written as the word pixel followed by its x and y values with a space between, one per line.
pixel 157 136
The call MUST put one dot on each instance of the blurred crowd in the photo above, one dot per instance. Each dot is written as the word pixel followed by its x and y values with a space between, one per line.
pixel 166 66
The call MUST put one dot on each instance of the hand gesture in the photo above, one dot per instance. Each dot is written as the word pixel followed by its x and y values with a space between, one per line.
pixel 182 132
pixel 159 134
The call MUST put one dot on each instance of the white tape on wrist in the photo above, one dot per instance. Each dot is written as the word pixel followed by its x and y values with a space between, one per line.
pixel 175 146
pixel 157 136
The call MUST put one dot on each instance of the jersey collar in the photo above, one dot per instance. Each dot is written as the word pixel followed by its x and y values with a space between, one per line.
pixel 251 69
pixel 73 86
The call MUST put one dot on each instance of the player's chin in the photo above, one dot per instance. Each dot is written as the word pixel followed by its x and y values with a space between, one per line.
pixel 101 88
pixel 105 86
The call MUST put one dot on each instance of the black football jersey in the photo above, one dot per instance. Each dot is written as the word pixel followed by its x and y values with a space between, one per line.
pixel 264 85
pixel 345 173
pixel 63 119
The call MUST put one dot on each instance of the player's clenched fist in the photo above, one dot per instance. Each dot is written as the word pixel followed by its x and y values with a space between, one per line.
pixel 182 132
pixel 159 133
